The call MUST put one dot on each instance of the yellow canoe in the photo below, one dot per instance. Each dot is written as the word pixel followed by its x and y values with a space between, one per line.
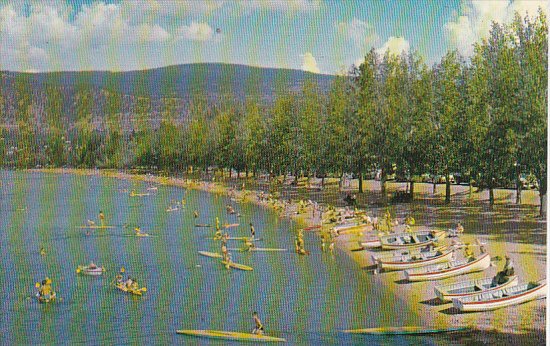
pixel 237 266
pixel 407 330
pixel 137 292
pixel 96 227
pixel 235 336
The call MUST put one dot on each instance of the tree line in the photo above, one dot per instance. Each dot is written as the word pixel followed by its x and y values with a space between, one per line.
pixel 485 117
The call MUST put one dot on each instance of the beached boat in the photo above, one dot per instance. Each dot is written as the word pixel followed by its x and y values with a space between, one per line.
pixel 414 260
pixel 370 243
pixel 502 298
pixel 350 227
pixel 86 270
pixel 233 336
pixel 447 293
pixel 446 270
pixel 405 252
pixel 410 240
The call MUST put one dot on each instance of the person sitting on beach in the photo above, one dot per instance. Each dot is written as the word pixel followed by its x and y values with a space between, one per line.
pixel 468 253
pixel 503 275
pixel 459 228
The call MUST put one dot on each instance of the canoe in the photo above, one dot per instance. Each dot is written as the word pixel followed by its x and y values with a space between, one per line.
pixel 139 194
pixel 46 299
pixel 210 254
pixel 350 227
pixel 243 238
pixel 137 292
pixel 231 225
pixel 202 225
pixel 502 298
pixel 237 266
pixel 312 228
pixel 85 270
pixel 256 249
pixel 446 270
pixel 142 235
pixel 414 260
pixel 370 243
pixel 405 252
pixel 233 336
pixel 95 227
pixel 408 330
pixel 447 293
pixel 410 240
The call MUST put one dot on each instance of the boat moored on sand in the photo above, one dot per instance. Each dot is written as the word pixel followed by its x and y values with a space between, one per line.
pixel 447 293
pixel 410 240
pixel 502 298
pixel 447 270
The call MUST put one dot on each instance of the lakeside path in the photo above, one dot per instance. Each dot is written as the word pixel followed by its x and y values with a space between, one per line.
pixel 527 320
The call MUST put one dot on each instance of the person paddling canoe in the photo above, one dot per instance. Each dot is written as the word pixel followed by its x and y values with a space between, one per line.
pixel 258 326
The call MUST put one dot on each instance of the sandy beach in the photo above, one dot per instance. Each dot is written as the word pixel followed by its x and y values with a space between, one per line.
pixel 422 307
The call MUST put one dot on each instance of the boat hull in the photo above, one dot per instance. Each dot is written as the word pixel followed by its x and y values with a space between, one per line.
pixel 439 272
pixel 234 336
pixel 408 330
pixel 501 298
pixel 449 292
pixel 392 264
pixel 433 237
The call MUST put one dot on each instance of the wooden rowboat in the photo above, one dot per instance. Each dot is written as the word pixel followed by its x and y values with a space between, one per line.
pixel 446 270
pixel 234 336
pixel 447 293
pixel 404 252
pixel 410 240
pixel 370 243
pixel 415 260
pixel 502 298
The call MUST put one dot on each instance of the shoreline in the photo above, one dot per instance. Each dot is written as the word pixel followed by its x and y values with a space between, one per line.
pixel 529 260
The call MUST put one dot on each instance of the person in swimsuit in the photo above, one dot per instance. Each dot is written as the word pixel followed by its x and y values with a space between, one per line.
pixel 258 326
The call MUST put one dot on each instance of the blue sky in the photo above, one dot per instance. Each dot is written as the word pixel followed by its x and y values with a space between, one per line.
pixel 317 36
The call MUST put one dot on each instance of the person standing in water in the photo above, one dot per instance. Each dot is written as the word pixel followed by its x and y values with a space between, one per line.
pixel 101 219
pixel 252 231
pixel 258 326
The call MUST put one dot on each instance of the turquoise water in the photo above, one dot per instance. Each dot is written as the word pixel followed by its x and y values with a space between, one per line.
pixel 305 299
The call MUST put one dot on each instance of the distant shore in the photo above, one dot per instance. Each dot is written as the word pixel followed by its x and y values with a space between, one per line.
pixel 530 261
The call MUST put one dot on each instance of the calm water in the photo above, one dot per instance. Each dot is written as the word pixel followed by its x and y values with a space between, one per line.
pixel 303 299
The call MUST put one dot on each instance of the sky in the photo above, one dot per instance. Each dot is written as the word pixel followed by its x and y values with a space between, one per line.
pixel 319 36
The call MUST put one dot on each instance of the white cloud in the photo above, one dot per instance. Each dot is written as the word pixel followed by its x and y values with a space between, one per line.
pixel 196 31
pixel 359 32
pixel 281 5
pixel 478 16
pixel 309 63
pixel 395 45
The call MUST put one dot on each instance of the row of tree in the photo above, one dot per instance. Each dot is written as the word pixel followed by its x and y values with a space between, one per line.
pixel 485 117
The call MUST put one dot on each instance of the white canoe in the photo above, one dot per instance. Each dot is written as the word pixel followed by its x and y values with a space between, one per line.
pixel 415 260
pixel 404 252
pixel 447 293
pixel 447 270
pixel 235 336
pixel 261 249
pixel 410 240
pixel 85 270
pixel 502 298
pixel 350 227
pixel 370 243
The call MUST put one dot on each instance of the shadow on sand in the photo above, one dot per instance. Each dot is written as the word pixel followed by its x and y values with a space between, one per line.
pixel 451 311
pixel 434 302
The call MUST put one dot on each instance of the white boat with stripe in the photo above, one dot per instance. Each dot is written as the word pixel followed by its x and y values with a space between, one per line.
pixel 502 298
pixel 447 293
pixel 447 270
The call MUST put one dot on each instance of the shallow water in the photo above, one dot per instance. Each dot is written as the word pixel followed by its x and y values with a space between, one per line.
pixel 305 299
